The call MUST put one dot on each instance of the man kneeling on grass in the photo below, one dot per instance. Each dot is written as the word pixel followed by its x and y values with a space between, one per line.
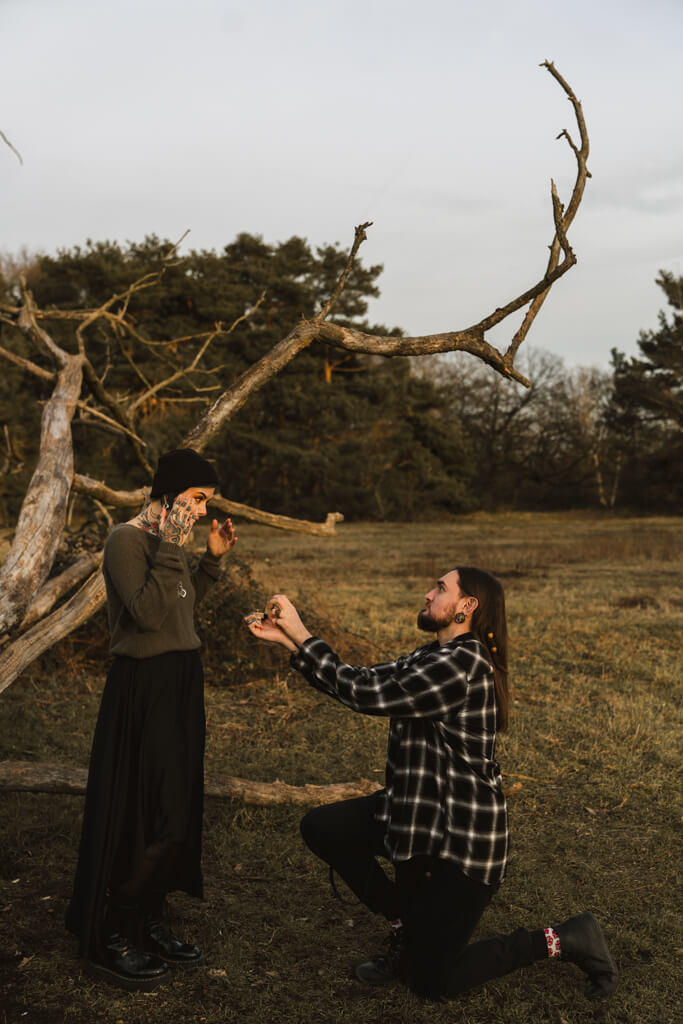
pixel 441 818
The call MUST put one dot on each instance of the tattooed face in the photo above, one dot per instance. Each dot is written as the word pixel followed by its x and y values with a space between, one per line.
pixel 173 520
pixel 195 499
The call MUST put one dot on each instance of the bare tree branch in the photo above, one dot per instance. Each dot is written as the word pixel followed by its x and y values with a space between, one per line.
pixel 15 151
pixel 18 654
pixel 249 382
pixel 137 498
pixel 124 297
pixel 118 412
pixel 119 499
pixel 48 596
pixel 27 324
pixel 582 174
pixel 193 365
pixel 87 318
pixel 26 364
pixel 472 339
pixel 257 515
pixel 118 427
pixel 360 235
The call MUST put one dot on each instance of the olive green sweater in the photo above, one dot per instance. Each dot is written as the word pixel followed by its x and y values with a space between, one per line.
pixel 151 593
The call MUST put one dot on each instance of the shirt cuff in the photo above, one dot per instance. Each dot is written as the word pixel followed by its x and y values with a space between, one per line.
pixel 309 653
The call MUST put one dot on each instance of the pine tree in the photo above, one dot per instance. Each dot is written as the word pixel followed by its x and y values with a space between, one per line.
pixel 647 409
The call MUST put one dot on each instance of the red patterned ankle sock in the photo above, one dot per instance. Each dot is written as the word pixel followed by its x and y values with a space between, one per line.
pixel 553 942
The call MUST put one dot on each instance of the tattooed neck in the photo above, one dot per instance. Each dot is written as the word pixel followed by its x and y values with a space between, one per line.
pixel 149 520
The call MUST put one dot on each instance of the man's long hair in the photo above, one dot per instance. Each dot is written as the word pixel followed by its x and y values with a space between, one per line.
pixel 489 625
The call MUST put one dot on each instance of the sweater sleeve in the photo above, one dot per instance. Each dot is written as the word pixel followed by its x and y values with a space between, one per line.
pixel 206 574
pixel 146 585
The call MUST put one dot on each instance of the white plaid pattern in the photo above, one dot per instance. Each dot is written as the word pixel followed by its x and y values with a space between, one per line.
pixel 443 794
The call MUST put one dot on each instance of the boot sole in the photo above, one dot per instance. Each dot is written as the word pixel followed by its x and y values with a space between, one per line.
pixel 103 973
pixel 186 965
pixel 176 965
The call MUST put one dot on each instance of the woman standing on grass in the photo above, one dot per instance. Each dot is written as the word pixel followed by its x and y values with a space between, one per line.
pixel 441 818
pixel 142 822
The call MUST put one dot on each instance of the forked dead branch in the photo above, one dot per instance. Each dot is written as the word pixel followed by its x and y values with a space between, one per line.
pixel 29 631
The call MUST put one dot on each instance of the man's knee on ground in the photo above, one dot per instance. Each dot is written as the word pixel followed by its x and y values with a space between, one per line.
pixel 311 829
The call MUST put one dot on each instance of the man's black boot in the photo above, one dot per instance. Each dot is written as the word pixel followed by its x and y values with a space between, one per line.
pixel 120 963
pixel 582 943
pixel 384 969
pixel 160 941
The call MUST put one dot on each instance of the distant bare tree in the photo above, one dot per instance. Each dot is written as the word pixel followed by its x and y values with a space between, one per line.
pixel 553 433
pixel 589 392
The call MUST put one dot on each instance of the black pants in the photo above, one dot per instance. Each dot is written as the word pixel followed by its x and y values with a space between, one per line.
pixel 438 904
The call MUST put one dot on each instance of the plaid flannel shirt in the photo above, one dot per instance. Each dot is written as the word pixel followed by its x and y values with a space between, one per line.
pixel 443 795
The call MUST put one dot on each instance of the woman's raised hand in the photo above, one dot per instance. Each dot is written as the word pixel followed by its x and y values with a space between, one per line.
pixel 221 539
pixel 175 526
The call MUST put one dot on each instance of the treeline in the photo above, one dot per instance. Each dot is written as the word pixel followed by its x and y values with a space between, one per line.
pixel 371 437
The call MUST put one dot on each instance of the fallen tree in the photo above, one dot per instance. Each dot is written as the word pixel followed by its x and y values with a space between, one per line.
pixel 31 617
pixel 32 777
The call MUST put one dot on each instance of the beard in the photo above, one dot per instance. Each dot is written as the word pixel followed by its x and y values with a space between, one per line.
pixel 429 623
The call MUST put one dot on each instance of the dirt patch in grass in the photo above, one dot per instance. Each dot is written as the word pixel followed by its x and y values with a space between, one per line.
pixel 595 616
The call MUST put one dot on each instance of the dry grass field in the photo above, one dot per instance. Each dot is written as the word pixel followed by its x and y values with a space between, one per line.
pixel 595 609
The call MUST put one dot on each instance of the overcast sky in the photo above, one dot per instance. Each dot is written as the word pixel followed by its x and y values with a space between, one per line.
pixel 431 118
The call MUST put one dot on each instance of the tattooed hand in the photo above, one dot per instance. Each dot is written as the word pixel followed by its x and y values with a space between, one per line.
pixel 221 539
pixel 175 526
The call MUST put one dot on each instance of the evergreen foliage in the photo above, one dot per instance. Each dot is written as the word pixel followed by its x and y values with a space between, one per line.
pixel 646 412
pixel 334 431
pixel 371 437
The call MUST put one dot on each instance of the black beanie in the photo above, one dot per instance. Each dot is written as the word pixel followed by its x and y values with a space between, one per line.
pixel 180 469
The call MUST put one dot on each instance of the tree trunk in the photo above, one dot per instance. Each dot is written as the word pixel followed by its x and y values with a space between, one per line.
pixel 43 513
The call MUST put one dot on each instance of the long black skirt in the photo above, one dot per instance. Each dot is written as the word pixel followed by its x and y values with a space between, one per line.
pixel 142 822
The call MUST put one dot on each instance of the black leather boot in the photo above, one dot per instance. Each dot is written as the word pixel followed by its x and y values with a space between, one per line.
pixel 160 941
pixel 384 969
pixel 120 963
pixel 582 943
